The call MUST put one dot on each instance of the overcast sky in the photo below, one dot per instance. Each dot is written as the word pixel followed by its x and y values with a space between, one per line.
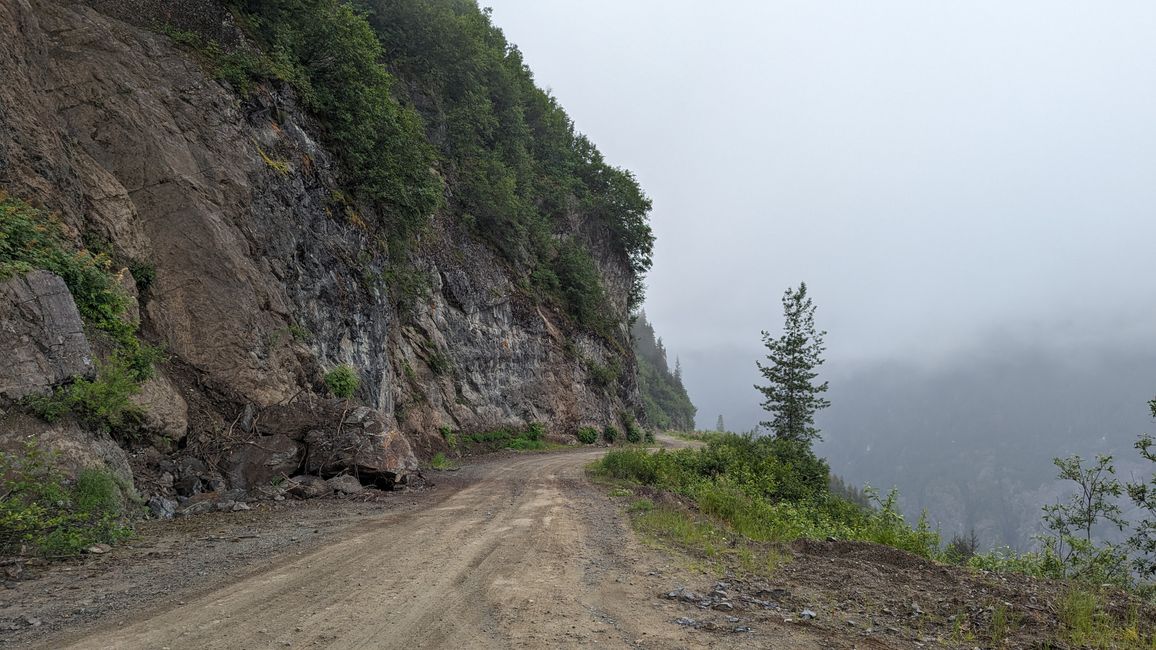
pixel 937 172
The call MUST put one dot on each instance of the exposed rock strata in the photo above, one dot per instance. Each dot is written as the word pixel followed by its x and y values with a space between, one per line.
pixel 260 285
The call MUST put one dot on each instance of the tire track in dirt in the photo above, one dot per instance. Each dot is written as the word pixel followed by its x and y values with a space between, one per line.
pixel 504 561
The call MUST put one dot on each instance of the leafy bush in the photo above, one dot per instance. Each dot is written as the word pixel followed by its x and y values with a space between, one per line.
pixel 1044 564
pixel 609 433
pixel 342 381
pixel 633 431
pixel 240 68
pixel 439 363
pixel 587 435
pixel 604 376
pixel 536 431
pixel 42 510
pixel 103 404
pixel 582 291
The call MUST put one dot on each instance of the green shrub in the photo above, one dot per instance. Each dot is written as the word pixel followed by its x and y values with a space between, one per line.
pixel 439 363
pixel 143 274
pixel 609 433
pixel 587 435
pixel 43 511
pixel 1007 560
pixel 106 401
pixel 583 294
pixel 886 525
pixel 103 404
pixel 535 431
pixel 633 431
pixel 34 239
pixel 342 381
pixel 531 438
pixel 604 376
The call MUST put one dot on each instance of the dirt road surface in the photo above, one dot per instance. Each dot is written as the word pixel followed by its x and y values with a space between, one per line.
pixel 513 551
pixel 528 554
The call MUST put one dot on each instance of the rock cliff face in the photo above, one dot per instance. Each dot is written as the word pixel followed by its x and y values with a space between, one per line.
pixel 255 289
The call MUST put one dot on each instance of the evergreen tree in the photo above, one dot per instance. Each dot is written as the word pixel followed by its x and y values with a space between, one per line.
pixel 792 396
pixel 720 425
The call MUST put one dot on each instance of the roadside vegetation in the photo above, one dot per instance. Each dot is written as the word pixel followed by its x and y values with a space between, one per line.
pixel 41 509
pixel 531 438
pixel 761 490
pixel 44 513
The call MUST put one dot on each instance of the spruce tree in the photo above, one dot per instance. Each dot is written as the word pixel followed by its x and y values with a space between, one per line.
pixel 720 425
pixel 792 395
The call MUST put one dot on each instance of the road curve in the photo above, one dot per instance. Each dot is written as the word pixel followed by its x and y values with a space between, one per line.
pixel 527 555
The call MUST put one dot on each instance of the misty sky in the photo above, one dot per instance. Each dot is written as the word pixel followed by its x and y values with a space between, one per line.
pixel 939 173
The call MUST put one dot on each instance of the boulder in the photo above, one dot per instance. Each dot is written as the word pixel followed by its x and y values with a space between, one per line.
pixel 41 335
pixel 364 443
pixel 345 484
pixel 307 487
pixel 262 459
pixel 162 508
pixel 72 447
pixel 165 412
pixel 189 485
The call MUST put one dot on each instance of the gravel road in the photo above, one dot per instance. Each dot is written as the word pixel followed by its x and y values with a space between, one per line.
pixel 527 553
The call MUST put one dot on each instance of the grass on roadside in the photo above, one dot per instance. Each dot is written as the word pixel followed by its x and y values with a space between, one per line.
pixel 1088 620
pixel 676 527
pixel 442 463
